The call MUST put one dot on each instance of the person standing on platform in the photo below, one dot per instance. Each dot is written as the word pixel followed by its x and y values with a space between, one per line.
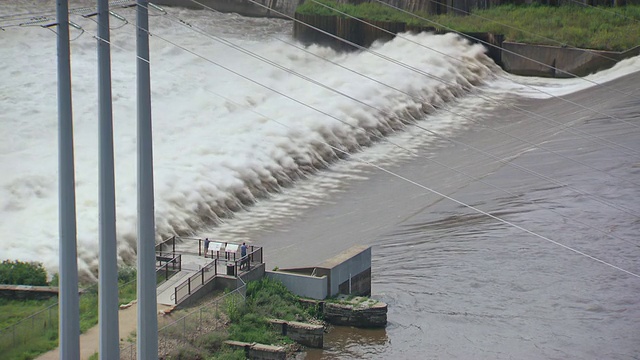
pixel 206 246
pixel 244 261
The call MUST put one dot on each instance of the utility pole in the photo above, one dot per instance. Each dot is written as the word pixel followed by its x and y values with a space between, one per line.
pixel 69 325
pixel 147 339
pixel 108 266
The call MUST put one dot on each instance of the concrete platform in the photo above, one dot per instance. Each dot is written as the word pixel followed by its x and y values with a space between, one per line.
pixel 191 265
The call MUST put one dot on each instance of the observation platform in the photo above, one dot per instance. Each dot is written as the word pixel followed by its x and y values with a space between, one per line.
pixel 181 271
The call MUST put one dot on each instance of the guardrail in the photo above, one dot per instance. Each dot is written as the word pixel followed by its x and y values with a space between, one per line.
pixel 171 267
pixel 195 281
pixel 166 245
pixel 254 256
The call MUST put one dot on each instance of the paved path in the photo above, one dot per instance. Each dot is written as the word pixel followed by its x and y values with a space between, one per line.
pixel 90 340
pixel 127 318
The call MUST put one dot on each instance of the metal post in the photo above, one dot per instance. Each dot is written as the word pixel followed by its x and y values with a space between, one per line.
pixel 69 326
pixel 147 339
pixel 108 265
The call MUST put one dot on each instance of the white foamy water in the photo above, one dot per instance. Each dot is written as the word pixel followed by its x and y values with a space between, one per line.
pixel 213 154
pixel 544 88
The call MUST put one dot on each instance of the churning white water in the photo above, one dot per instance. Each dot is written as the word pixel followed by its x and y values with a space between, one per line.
pixel 221 138
pixel 230 129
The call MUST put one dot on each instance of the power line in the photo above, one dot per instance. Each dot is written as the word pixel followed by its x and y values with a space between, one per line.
pixel 182 22
pixel 422 186
pixel 272 63
pixel 428 75
pixel 413 182
pixel 491 45
pixel 385 139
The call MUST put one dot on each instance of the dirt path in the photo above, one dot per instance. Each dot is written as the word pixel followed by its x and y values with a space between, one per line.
pixel 90 340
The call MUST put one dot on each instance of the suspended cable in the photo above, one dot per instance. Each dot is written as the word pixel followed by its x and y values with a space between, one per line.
pixel 415 153
pixel 506 162
pixel 491 45
pixel 420 71
pixel 263 59
pixel 411 181
pixel 498 218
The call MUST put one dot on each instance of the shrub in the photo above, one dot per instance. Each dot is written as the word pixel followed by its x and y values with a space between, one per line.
pixel 22 273
pixel 229 354
pixel 187 352
pixel 212 341
pixel 126 274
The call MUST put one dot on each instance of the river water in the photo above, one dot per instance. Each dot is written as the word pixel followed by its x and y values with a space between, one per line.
pixel 503 225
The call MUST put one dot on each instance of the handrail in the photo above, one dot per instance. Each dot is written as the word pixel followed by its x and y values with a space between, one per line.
pixel 175 263
pixel 197 280
pixel 171 240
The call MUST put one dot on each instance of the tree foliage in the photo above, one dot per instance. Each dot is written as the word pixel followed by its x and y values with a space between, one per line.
pixel 22 273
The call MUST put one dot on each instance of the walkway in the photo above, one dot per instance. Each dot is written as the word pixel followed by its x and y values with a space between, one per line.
pixel 127 318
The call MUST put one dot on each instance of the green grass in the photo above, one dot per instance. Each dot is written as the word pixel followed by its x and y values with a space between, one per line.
pixel 248 322
pixel 39 333
pixel 602 28
pixel 12 311
pixel 35 335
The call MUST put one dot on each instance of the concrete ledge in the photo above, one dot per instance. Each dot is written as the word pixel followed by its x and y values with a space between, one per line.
pixel 259 351
pixel 559 62
pixel 310 335
pixel 355 314
pixel 302 285
pixel 27 292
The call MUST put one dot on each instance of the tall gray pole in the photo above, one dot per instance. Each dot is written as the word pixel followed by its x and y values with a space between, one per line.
pixel 69 325
pixel 147 339
pixel 108 267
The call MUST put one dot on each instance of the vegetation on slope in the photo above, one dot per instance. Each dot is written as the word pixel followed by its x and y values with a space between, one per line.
pixel 39 332
pixel 603 28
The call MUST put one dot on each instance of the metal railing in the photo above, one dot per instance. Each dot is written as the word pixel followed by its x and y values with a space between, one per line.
pixel 209 317
pixel 168 245
pixel 170 267
pixel 195 281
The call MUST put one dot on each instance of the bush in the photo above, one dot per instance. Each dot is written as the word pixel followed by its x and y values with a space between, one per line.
pixel 126 274
pixel 271 298
pixel 253 328
pixel 229 354
pixel 187 352
pixel 22 273
pixel 212 342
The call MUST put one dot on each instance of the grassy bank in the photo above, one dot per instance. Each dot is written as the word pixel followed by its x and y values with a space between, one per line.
pixel 33 324
pixel 200 332
pixel 603 28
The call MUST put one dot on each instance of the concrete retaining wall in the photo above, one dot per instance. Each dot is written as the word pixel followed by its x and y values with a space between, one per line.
pixel 353 315
pixel 516 58
pixel 23 292
pixel 309 335
pixel 302 285
pixel 349 272
pixel 560 62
